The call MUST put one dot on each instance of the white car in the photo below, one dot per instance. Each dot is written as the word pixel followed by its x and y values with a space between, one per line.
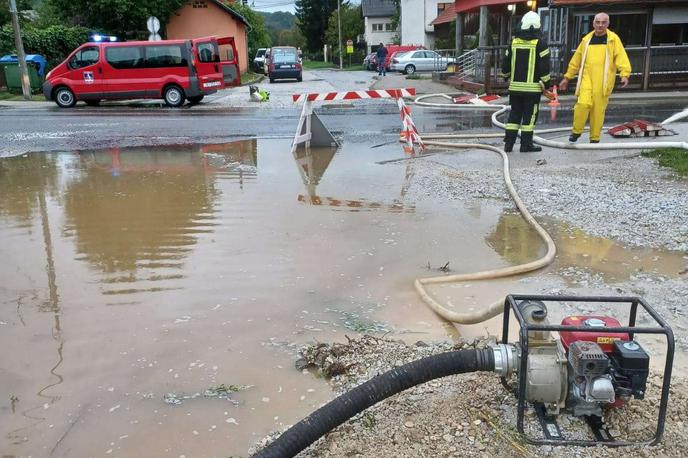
pixel 420 60
pixel 259 60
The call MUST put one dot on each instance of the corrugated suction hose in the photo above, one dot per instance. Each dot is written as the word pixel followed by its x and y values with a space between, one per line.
pixel 336 412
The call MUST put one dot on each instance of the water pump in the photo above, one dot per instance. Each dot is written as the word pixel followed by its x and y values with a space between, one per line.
pixel 596 364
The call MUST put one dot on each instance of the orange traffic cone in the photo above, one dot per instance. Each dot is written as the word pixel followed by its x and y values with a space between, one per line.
pixel 554 101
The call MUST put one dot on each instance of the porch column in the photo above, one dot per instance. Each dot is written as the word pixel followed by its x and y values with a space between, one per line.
pixel 482 40
pixel 648 50
pixel 459 34
pixel 504 38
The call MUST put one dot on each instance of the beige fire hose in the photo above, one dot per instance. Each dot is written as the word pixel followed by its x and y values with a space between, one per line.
pixel 497 307
pixel 494 309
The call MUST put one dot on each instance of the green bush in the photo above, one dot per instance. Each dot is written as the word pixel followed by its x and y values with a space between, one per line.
pixel 54 42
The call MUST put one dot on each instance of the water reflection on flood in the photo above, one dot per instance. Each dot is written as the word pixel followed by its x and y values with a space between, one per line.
pixel 518 243
pixel 215 261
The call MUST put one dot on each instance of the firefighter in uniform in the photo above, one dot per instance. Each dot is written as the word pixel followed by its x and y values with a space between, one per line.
pixel 526 64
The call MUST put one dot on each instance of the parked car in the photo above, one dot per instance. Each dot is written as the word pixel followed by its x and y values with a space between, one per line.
pixel 395 49
pixel 284 62
pixel 421 60
pixel 259 60
pixel 370 61
pixel 174 70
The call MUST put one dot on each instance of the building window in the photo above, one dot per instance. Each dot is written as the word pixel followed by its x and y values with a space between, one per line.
pixel 388 27
pixel 377 27
pixel 200 4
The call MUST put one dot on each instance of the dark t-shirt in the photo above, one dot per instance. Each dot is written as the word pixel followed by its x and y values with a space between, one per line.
pixel 381 53
pixel 601 40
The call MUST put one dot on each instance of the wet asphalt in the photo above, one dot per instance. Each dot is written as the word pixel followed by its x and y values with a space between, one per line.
pixel 44 127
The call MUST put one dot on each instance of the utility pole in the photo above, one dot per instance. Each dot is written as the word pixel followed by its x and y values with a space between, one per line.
pixel 339 27
pixel 23 71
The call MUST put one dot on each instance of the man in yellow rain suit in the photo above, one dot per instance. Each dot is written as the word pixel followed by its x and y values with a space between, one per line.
pixel 596 61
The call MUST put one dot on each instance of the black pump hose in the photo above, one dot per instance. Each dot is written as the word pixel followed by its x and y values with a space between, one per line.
pixel 337 411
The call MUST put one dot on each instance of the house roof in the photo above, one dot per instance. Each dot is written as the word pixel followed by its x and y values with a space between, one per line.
pixel 462 6
pixel 229 10
pixel 378 8
pixel 448 15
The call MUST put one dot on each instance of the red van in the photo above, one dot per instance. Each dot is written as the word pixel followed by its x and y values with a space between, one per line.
pixel 174 70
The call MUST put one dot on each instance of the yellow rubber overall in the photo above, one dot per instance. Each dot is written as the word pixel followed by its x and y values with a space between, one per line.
pixel 592 101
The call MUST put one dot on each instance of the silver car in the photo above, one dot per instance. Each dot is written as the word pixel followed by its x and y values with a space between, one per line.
pixel 420 60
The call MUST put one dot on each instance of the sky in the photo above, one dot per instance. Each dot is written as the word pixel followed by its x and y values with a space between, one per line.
pixel 277 5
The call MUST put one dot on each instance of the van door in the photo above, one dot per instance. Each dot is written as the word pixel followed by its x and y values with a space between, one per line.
pixel 85 73
pixel 207 57
pixel 229 61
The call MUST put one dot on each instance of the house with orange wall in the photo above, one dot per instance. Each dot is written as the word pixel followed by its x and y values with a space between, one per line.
pixel 202 18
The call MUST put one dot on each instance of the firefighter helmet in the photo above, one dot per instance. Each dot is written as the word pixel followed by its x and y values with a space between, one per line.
pixel 530 19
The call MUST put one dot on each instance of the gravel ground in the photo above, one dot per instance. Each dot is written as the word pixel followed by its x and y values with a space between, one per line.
pixel 465 415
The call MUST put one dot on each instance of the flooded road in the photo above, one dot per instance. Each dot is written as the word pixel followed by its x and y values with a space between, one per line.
pixel 153 299
pixel 130 274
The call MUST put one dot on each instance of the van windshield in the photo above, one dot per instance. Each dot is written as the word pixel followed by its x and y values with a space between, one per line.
pixel 260 53
pixel 284 56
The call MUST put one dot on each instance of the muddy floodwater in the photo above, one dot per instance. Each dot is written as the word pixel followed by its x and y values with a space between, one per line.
pixel 152 299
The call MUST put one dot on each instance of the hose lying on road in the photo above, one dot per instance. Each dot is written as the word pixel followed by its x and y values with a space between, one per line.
pixel 337 411
pixel 554 144
pixel 494 309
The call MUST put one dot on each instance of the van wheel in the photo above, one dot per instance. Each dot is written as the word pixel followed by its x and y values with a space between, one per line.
pixel 272 80
pixel 193 100
pixel 93 103
pixel 174 96
pixel 299 78
pixel 410 69
pixel 64 98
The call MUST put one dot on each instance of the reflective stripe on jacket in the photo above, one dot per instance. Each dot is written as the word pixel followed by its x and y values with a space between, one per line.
pixel 526 64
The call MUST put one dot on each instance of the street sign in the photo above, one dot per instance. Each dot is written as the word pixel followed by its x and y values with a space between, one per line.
pixel 349 46
pixel 153 25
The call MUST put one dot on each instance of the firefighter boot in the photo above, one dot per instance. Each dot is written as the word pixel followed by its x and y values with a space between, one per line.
pixel 509 140
pixel 527 145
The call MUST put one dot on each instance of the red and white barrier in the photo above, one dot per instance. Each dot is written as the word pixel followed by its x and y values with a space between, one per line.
pixel 354 95
pixel 304 134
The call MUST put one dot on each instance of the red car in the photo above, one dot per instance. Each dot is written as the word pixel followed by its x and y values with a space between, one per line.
pixel 174 70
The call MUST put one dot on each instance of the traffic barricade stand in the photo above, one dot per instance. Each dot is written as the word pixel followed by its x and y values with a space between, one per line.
pixel 312 131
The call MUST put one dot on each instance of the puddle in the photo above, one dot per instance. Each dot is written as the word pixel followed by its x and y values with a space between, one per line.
pixel 133 273
pixel 513 239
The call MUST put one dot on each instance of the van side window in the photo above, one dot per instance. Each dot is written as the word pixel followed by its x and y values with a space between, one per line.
pixel 124 57
pixel 164 56
pixel 84 58
pixel 207 52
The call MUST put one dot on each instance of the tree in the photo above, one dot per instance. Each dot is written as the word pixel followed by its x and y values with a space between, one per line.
pixel 292 37
pixel 352 26
pixel 124 18
pixel 258 36
pixel 312 17
pixel 22 5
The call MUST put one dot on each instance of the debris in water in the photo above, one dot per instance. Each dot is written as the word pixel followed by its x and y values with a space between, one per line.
pixel 221 392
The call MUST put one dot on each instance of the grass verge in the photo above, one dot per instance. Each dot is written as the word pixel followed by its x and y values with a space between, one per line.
pixel 674 158
pixel 316 64
pixel 11 96
pixel 250 78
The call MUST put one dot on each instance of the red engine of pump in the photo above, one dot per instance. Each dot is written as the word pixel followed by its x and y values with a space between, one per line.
pixel 597 333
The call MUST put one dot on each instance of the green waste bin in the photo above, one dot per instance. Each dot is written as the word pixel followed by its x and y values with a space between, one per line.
pixel 13 76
